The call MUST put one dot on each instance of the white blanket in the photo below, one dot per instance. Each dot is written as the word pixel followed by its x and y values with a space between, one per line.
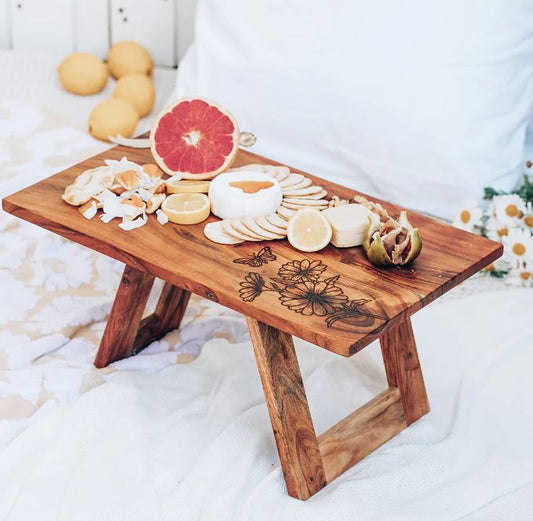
pixel 154 438
pixel 194 441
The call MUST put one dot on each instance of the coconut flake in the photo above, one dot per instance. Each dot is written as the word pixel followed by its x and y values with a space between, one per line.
pixel 145 195
pixel 90 212
pixel 107 218
pixel 131 224
pixel 174 179
pixel 162 217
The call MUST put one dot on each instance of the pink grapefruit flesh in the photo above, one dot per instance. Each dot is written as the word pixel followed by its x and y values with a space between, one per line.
pixel 194 137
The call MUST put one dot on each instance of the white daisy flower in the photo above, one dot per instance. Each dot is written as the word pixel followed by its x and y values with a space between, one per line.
pixel 519 246
pixel 496 230
pixel 468 216
pixel 522 276
pixel 527 220
pixel 508 209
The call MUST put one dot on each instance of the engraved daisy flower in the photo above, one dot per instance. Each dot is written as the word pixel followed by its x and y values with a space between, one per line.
pixel 314 298
pixel 508 209
pixel 251 287
pixel 519 246
pixel 300 271
pixel 468 216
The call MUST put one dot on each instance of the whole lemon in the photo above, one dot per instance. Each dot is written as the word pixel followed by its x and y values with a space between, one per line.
pixel 111 117
pixel 139 90
pixel 83 73
pixel 129 58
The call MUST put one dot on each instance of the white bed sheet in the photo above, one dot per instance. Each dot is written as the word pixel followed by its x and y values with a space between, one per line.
pixel 153 438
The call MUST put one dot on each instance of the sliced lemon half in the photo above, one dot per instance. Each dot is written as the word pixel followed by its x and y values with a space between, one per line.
pixel 308 230
pixel 186 208
pixel 187 186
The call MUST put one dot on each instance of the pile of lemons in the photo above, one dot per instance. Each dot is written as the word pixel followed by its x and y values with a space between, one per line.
pixel 134 93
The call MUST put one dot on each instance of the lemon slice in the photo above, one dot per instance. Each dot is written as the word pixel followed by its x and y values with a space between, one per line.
pixel 187 186
pixel 309 230
pixel 186 208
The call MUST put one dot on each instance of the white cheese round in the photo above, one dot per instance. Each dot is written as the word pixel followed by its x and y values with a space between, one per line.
pixel 242 193
pixel 349 224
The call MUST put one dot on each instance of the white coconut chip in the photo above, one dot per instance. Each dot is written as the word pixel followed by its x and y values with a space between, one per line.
pixel 162 217
pixel 90 212
pixel 174 179
pixel 145 195
pixel 127 194
pixel 107 217
pixel 131 224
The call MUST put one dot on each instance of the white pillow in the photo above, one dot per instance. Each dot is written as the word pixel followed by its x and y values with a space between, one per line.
pixel 421 103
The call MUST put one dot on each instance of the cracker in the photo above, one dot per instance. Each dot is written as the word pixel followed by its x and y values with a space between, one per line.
pixel 304 183
pixel 292 180
pixel 262 223
pixel 239 226
pixel 310 190
pixel 230 230
pixel 304 202
pixel 276 220
pixel 215 232
pixel 285 213
pixel 252 225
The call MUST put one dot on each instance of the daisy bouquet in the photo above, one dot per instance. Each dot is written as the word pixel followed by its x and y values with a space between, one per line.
pixel 508 219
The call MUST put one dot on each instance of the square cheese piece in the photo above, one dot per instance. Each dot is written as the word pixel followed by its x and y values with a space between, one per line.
pixel 349 223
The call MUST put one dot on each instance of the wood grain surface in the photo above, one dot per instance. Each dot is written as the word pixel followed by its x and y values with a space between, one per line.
pixel 182 256
pixel 288 409
pixel 361 432
pixel 402 367
pixel 125 316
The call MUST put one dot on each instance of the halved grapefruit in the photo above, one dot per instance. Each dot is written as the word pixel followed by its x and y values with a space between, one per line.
pixel 195 138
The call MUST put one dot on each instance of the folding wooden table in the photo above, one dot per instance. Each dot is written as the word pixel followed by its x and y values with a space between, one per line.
pixel 334 299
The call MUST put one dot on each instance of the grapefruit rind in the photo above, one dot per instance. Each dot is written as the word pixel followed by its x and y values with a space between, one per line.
pixel 186 173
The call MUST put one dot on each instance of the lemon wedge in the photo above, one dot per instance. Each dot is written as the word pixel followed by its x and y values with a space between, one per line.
pixel 186 208
pixel 308 230
pixel 187 186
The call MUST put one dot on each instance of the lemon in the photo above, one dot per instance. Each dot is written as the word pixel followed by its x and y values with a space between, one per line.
pixel 112 117
pixel 128 57
pixel 187 186
pixel 186 208
pixel 139 90
pixel 308 230
pixel 83 73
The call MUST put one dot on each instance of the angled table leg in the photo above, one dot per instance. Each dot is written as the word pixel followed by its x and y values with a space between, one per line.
pixel 289 412
pixel 308 462
pixel 125 333
pixel 403 370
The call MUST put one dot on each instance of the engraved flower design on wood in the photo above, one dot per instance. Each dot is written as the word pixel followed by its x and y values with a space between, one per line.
pixel 251 287
pixel 304 270
pixel 303 289
pixel 314 297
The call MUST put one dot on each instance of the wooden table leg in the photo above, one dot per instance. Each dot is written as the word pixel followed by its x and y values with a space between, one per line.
pixel 308 462
pixel 125 333
pixel 403 369
pixel 289 411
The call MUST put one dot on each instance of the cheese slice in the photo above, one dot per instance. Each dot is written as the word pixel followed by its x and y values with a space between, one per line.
pixel 240 194
pixel 349 223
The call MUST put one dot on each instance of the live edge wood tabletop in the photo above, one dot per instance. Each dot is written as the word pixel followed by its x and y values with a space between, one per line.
pixel 334 299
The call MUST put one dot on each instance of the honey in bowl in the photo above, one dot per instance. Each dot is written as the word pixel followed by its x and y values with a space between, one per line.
pixel 251 187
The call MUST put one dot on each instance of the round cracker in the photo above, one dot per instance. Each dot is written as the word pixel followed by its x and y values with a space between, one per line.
pixel 319 195
pixel 263 223
pixel 285 213
pixel 305 202
pixel 215 232
pixel 276 220
pixel 292 180
pixel 252 225
pixel 230 230
pixel 239 226
pixel 310 190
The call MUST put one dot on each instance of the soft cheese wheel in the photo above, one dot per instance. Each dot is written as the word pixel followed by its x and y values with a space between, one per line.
pixel 235 195
pixel 349 223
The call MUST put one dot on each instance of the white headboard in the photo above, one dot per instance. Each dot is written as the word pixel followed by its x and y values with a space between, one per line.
pixel 165 27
